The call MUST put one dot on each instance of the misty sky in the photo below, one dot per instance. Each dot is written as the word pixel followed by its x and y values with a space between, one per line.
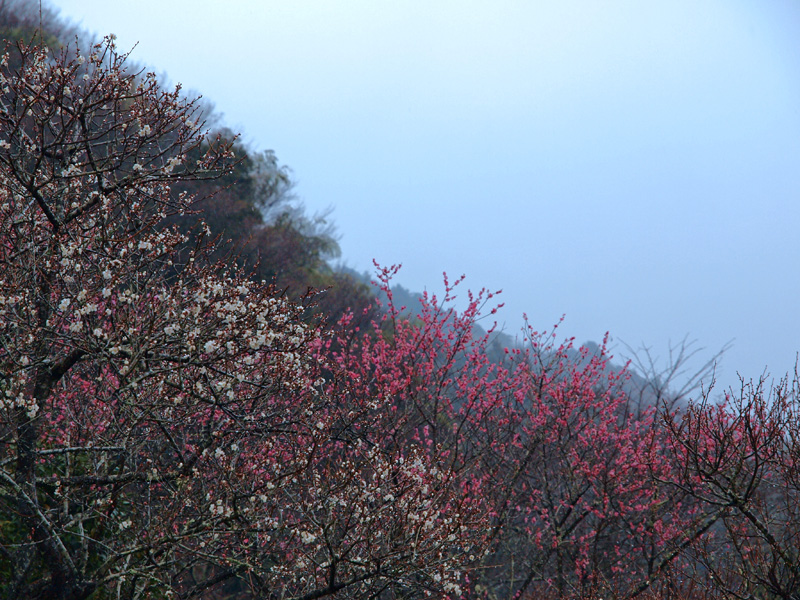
pixel 632 165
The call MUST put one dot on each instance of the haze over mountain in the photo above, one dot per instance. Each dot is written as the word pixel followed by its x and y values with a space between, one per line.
pixel 630 165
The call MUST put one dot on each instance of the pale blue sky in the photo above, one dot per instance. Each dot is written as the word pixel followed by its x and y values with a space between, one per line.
pixel 633 165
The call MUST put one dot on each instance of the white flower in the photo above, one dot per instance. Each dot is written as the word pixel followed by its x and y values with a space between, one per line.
pixel 64 304
pixel 171 164
pixel 210 347
pixel 452 587
pixel 307 537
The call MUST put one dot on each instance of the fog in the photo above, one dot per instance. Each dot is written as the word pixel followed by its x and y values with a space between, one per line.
pixel 632 166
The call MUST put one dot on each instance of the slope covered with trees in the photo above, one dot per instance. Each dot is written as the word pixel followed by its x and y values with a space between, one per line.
pixel 251 209
pixel 182 417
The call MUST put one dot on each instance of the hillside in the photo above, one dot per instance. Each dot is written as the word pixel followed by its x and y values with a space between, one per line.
pixel 195 404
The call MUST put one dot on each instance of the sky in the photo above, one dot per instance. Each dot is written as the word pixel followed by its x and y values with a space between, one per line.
pixel 632 166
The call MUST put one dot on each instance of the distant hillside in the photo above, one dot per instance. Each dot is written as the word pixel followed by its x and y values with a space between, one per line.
pixel 264 227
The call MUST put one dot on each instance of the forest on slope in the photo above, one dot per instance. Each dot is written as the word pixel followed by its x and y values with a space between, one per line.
pixel 184 414
pixel 252 209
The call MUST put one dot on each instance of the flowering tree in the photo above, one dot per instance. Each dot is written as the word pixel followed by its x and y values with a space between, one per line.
pixel 570 478
pixel 740 463
pixel 580 511
pixel 168 426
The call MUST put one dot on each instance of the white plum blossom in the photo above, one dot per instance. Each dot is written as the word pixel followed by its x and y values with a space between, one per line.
pixel 307 537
